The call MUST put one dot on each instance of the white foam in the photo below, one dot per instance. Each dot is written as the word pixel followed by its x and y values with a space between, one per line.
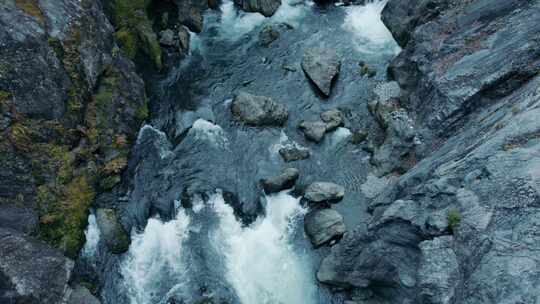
pixel 262 265
pixel 207 131
pixel 235 23
pixel 154 257
pixel 92 236
pixel 339 135
pixel 370 33
pixel 161 139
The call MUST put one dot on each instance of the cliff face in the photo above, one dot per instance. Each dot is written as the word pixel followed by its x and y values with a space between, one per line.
pixel 71 107
pixel 460 226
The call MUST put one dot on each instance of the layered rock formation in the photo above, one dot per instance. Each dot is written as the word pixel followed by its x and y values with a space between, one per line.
pixel 458 225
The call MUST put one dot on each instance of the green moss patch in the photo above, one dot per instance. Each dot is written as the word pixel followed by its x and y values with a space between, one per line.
pixel 31 7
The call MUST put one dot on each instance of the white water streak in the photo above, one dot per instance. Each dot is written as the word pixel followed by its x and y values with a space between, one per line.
pixel 92 236
pixel 261 263
pixel 370 33
pixel 154 256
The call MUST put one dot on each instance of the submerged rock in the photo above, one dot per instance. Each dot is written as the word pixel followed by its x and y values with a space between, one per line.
pixel 266 7
pixel 313 130
pixel 291 152
pixel 256 110
pixel 268 35
pixel 321 65
pixel 324 192
pixel 285 180
pixel 31 271
pixel 116 238
pixel 323 226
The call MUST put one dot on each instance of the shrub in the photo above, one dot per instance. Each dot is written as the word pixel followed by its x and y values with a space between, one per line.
pixel 454 218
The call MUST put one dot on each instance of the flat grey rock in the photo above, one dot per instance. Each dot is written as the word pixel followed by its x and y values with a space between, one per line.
pixel 324 191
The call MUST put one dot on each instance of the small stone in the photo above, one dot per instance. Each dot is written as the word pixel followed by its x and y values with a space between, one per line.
pixel 268 35
pixel 333 119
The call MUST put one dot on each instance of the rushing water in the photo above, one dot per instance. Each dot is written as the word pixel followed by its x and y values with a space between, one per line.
pixel 189 243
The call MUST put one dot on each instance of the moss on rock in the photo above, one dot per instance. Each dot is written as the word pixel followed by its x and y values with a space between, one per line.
pixel 134 30
pixel 31 7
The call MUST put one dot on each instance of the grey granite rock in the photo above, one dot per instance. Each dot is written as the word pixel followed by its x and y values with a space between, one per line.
pixel 283 181
pixel 313 130
pixel 266 7
pixel 321 65
pixel 258 110
pixel 323 226
pixel 324 192
pixel 31 271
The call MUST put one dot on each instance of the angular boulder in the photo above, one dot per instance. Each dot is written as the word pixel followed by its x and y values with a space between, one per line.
pixel 266 7
pixel 285 180
pixel 31 271
pixel 256 110
pixel 323 226
pixel 321 65
pixel 324 192
pixel 313 130
pixel 116 238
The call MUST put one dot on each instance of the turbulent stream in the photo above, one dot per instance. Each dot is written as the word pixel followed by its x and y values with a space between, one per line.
pixel 193 162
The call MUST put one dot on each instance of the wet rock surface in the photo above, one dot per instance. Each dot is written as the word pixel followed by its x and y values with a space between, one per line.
pixel 265 7
pixel 323 226
pixel 321 65
pixel 324 192
pixel 285 180
pixel 258 110
pixel 114 235
pixel 31 271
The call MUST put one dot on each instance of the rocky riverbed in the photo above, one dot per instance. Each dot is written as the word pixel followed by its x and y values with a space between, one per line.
pixel 269 151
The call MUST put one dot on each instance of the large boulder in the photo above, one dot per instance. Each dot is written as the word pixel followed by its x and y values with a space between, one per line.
pixel 115 236
pixel 324 192
pixel 31 271
pixel 321 65
pixel 323 226
pixel 285 180
pixel 266 7
pixel 256 110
